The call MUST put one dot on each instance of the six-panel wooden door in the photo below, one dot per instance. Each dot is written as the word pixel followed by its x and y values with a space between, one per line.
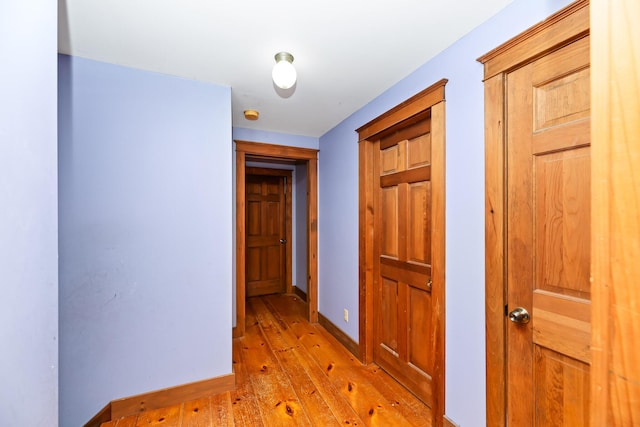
pixel 402 303
pixel 548 239
pixel 265 231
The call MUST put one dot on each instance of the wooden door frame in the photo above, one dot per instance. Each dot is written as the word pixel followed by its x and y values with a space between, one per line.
pixel 567 25
pixel 615 132
pixel 430 98
pixel 286 173
pixel 306 156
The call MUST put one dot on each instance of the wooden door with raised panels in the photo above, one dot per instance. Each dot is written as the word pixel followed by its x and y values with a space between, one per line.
pixel 548 239
pixel 402 303
pixel 266 235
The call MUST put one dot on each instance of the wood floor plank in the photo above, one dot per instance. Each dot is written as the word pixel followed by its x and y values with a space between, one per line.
pixel 310 393
pixel 221 410
pixel 197 413
pixel 164 417
pixel 275 396
pixel 344 371
pixel 245 409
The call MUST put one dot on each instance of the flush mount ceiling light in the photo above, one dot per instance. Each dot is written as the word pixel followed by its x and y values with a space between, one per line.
pixel 284 74
pixel 251 114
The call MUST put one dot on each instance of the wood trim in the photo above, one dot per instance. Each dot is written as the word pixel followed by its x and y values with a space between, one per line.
pixel 340 336
pixel 284 152
pixel 104 416
pixel 412 106
pixel 615 213
pixel 300 293
pixel 164 397
pixel 241 245
pixel 494 214
pixel 288 228
pixel 556 31
pixel 438 210
pixel 366 278
pixel 539 39
pixel 431 98
pixel 312 239
pixel 449 423
pixel 306 156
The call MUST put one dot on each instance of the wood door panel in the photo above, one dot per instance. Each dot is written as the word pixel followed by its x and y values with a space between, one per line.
pixel 253 259
pixel 390 159
pixel 389 310
pixel 418 212
pixel 389 211
pixel 419 329
pixel 561 390
pixel 561 101
pixel 419 151
pixel 562 224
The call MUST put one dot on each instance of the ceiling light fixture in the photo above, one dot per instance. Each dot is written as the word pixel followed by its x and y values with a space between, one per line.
pixel 284 73
pixel 251 114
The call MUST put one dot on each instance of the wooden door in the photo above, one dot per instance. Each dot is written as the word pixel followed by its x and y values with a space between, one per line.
pixel 266 235
pixel 402 301
pixel 548 239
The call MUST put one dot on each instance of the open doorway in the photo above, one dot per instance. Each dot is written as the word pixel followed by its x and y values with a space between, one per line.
pixel 254 151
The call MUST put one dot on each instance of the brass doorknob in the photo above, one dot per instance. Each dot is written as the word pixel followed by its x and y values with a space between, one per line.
pixel 519 315
pixel 283 240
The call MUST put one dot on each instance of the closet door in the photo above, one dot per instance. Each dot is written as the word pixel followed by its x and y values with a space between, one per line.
pixel 402 301
pixel 548 239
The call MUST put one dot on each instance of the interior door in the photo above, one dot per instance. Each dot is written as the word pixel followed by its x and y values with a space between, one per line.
pixel 548 239
pixel 402 301
pixel 266 236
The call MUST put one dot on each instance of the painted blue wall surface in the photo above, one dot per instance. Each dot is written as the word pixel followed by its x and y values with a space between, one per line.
pixel 28 214
pixel 338 215
pixel 145 233
pixel 276 138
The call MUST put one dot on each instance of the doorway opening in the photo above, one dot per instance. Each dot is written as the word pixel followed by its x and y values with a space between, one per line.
pixel 256 151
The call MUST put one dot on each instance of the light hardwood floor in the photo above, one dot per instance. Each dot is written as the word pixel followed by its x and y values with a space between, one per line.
pixel 290 372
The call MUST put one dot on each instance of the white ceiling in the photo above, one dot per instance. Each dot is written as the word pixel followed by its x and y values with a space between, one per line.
pixel 346 51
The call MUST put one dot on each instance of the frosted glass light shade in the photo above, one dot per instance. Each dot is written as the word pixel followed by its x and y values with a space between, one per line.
pixel 284 73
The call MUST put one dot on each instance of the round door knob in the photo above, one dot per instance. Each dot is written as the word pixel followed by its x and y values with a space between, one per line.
pixel 519 315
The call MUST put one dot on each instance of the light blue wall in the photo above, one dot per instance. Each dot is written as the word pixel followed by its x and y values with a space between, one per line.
pixel 145 233
pixel 28 214
pixel 338 216
pixel 276 138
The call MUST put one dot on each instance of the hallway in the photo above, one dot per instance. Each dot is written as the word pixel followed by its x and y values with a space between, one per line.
pixel 290 372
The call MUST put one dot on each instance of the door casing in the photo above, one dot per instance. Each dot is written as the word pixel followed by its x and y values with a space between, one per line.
pixel 307 156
